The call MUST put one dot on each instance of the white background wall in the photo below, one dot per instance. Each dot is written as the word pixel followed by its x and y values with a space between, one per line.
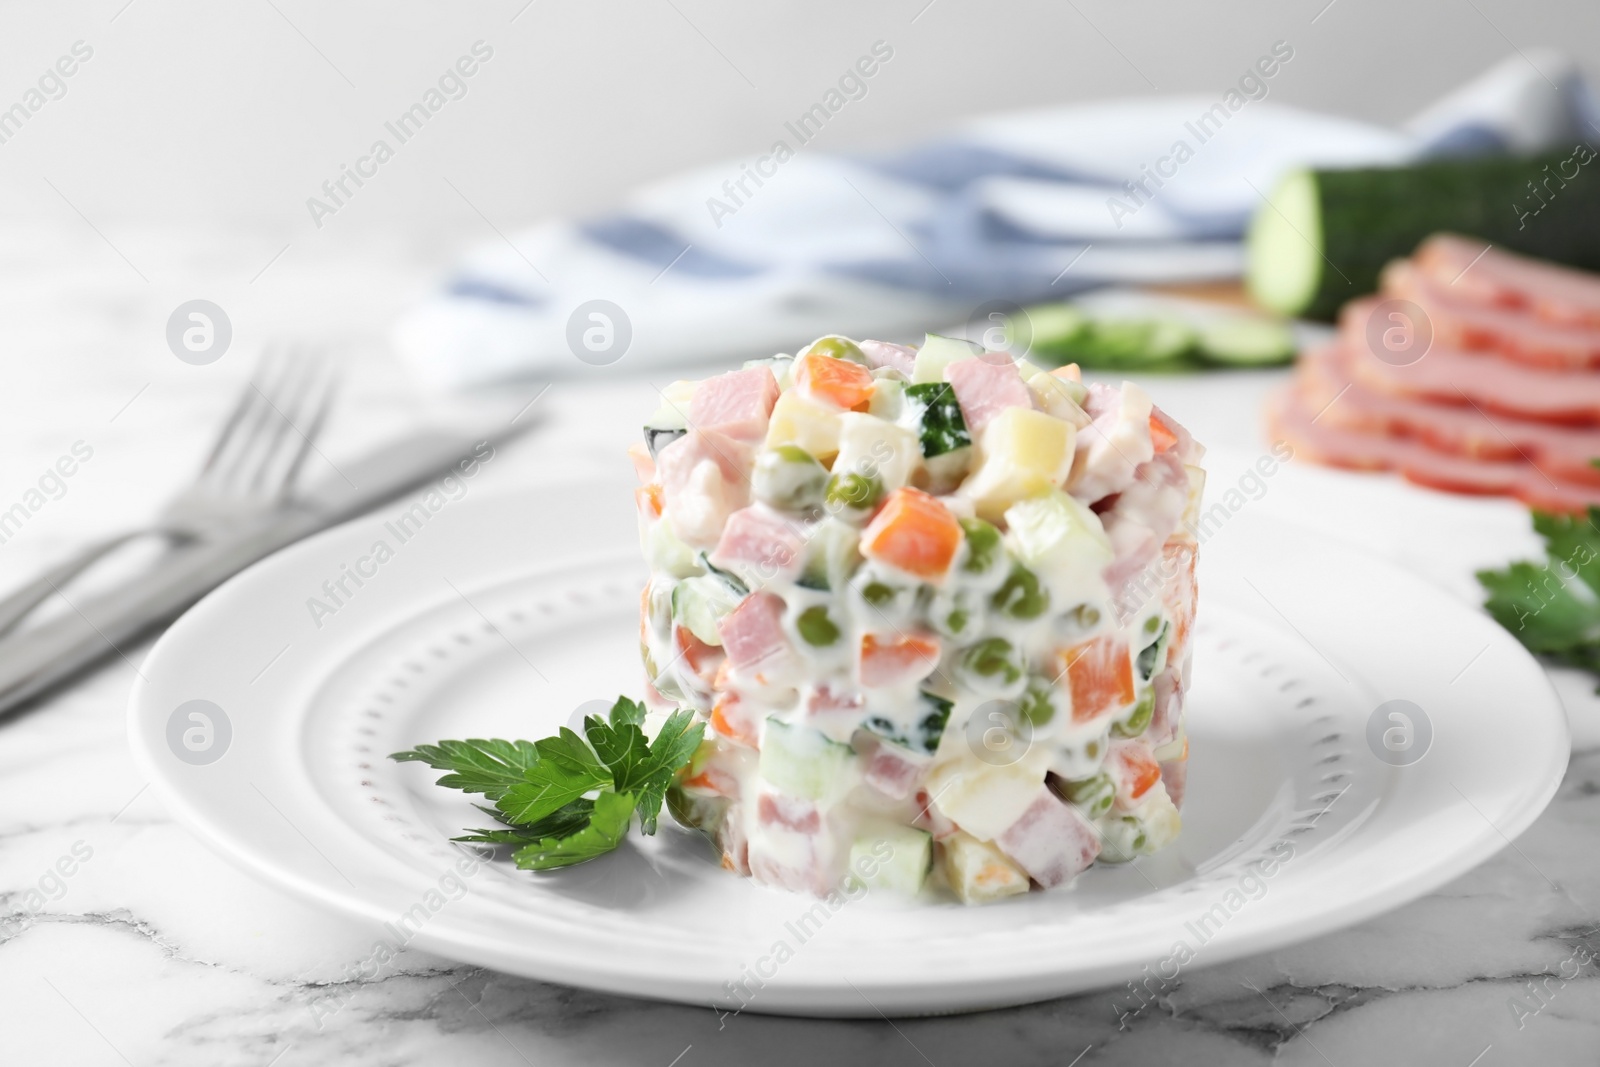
pixel 215 112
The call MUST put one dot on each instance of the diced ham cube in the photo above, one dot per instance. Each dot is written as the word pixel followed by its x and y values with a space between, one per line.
pixel 1179 594
pixel 902 358
pixel 790 813
pixel 786 856
pixel 894 770
pixel 984 389
pixel 1099 675
pixel 1114 444
pixel 1051 841
pixel 738 403
pixel 705 477
pixel 1175 775
pixel 893 659
pixel 752 635
pixel 760 546
pixel 1168 709
pixel 1133 770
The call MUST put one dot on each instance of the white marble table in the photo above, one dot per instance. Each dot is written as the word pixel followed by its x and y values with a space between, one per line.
pixel 154 951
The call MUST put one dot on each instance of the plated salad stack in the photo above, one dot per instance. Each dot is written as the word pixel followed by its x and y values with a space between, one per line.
pixel 935 606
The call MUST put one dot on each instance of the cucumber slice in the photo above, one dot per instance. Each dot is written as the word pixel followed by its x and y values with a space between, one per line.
pixel 1054 326
pixel 937 353
pixel 1246 342
pixel 671 419
pixel 804 762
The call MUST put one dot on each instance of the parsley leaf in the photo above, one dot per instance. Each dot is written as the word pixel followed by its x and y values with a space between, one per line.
pixel 606 827
pixel 476 766
pixel 1553 606
pixel 567 799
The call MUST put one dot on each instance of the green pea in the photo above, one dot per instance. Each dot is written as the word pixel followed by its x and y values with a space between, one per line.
pixel 993 658
pixel 816 628
pixel 838 348
pixel 983 545
pixel 1094 795
pixel 853 491
pixel 957 621
pixel 1139 719
pixel 1036 705
pixel 877 594
pixel 1021 596
pixel 789 478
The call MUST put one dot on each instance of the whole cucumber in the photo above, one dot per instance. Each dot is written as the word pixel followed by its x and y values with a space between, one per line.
pixel 1324 235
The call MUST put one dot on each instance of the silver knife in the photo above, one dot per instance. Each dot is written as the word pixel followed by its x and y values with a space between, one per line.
pixel 37 659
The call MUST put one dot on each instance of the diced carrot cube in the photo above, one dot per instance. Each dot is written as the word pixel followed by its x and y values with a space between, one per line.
pixel 702 658
pixel 649 500
pixel 914 532
pixel 893 659
pixel 729 721
pixel 1134 771
pixel 1068 372
pixel 643 464
pixel 1099 675
pixel 838 382
pixel 1160 436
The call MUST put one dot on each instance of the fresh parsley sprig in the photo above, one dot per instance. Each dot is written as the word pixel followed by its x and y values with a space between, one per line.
pixel 567 799
pixel 1553 606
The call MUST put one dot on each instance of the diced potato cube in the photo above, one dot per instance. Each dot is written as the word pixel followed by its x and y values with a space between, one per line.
pixel 797 420
pixel 1025 453
pixel 871 446
pixel 984 799
pixel 979 872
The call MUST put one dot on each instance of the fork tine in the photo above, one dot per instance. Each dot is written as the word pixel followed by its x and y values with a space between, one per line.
pixel 235 419
pixel 308 439
pixel 236 467
pixel 290 406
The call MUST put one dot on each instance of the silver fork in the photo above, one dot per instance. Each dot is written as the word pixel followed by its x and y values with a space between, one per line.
pixel 252 468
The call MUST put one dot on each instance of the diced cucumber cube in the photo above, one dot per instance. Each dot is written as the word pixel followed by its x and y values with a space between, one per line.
pixel 932 410
pixel 893 857
pixel 804 762
pixel 1064 542
pixel 666 553
pixel 699 603
pixel 788 478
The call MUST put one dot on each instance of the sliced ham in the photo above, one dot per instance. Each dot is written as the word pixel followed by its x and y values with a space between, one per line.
pixel 1175 776
pixel 1457 376
pixel 1503 279
pixel 1459 320
pixel 1291 419
pixel 738 403
pixel 1564 452
pixel 760 546
pixel 985 389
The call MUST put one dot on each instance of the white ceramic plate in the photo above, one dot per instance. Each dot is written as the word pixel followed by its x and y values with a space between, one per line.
pixel 501 615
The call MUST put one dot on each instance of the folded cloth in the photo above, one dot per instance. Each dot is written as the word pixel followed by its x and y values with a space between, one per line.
pixel 758 256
